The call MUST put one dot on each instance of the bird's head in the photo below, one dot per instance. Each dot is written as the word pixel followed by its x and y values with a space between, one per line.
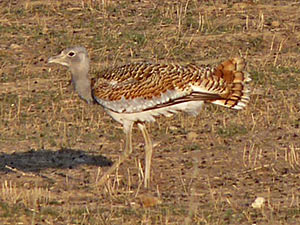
pixel 71 57
pixel 76 58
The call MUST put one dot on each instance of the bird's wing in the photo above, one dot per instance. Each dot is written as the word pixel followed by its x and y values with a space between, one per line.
pixel 143 86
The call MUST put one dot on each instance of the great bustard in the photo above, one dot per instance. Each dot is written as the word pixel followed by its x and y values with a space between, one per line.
pixel 138 92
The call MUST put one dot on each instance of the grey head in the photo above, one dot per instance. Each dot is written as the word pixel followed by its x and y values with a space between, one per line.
pixel 77 60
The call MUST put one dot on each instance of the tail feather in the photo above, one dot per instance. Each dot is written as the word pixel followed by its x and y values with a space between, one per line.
pixel 238 94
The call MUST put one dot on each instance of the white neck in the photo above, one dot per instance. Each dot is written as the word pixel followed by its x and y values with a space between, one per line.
pixel 81 80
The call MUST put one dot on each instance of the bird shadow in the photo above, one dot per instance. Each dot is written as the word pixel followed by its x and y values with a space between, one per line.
pixel 37 160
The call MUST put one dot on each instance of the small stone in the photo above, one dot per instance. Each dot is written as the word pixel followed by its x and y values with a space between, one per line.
pixel 191 136
pixel 148 200
pixel 173 128
pixel 14 46
pixel 275 23
pixel 258 203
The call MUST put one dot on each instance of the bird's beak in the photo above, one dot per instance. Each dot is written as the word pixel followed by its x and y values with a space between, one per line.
pixel 59 59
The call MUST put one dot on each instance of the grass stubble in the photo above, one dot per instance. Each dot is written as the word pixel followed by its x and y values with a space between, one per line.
pixel 206 170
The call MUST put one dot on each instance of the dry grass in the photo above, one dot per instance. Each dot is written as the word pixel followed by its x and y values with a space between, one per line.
pixel 206 170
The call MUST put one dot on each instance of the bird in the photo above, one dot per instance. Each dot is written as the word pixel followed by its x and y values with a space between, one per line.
pixel 137 93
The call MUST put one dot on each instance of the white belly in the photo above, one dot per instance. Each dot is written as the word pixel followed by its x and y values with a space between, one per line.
pixel 191 107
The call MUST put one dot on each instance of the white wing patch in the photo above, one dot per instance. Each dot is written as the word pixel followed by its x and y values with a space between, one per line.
pixel 191 107
pixel 141 104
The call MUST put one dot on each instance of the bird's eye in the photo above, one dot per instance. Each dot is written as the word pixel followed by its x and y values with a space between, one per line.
pixel 71 54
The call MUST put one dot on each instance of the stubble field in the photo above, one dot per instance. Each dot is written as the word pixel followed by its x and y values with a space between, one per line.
pixel 207 169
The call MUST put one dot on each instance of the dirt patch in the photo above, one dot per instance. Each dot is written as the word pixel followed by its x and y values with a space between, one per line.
pixel 206 170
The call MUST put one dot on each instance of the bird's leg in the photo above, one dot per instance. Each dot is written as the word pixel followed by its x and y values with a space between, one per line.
pixel 128 149
pixel 148 153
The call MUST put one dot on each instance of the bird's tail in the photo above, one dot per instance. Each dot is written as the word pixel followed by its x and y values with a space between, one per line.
pixel 238 94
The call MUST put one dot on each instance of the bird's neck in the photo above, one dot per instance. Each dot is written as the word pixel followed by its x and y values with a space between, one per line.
pixel 82 82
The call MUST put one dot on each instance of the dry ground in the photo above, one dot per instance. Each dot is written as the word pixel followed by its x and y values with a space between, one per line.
pixel 206 170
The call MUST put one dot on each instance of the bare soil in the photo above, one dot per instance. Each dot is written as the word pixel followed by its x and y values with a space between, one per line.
pixel 208 169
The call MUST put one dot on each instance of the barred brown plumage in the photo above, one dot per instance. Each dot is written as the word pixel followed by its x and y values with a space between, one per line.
pixel 138 92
